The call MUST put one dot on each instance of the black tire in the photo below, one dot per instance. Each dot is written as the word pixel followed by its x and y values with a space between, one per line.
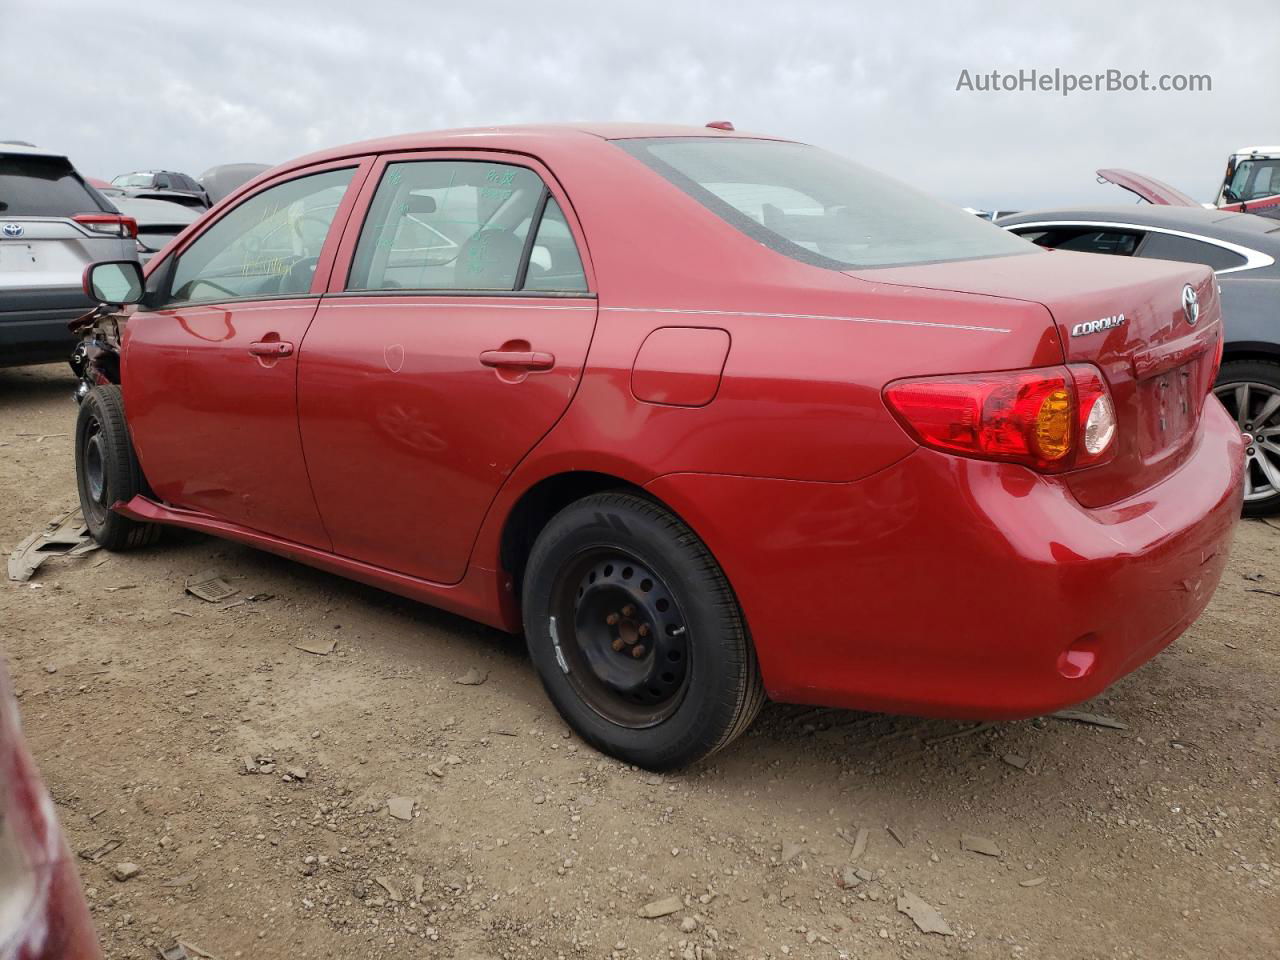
pixel 107 471
pixel 672 677
pixel 1257 382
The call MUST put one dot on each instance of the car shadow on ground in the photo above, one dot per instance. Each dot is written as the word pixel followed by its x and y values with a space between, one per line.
pixel 811 742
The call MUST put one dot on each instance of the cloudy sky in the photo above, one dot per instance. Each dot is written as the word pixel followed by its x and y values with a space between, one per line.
pixel 123 86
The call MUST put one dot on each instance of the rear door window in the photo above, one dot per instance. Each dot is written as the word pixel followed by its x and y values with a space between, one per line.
pixel 446 225
pixel 43 187
pixel 554 263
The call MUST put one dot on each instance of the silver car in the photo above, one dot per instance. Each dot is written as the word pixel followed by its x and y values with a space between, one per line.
pixel 52 226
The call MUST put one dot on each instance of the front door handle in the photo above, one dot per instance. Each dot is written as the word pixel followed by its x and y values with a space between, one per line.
pixel 523 359
pixel 271 348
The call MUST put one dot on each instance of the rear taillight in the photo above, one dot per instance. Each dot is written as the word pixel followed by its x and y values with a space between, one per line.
pixel 1051 419
pixel 111 224
pixel 1217 361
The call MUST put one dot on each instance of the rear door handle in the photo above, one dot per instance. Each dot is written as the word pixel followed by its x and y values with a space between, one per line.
pixel 524 359
pixel 271 348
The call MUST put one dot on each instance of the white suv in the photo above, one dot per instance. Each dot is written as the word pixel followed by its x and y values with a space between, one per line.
pixel 52 226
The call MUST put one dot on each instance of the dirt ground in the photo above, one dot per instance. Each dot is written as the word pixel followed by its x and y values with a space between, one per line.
pixel 142 703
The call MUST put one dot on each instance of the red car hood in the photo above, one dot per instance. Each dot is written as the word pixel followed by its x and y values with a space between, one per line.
pixel 1148 188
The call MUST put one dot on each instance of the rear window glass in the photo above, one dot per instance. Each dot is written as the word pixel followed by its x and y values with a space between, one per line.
pixel 1163 246
pixel 820 208
pixel 43 187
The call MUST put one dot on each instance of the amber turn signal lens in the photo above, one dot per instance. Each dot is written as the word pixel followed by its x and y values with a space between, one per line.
pixel 1053 425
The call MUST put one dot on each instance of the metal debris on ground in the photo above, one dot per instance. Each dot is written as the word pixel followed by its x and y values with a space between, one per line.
pixel 65 537
pixel 175 952
pixel 1015 760
pixel 317 645
pixel 252 598
pixel 473 677
pixel 210 588
pixel 976 844
pixel 897 836
pixel 191 947
pixel 1033 882
pixel 924 915
pixel 94 854
pixel 1269 593
pixel 1093 719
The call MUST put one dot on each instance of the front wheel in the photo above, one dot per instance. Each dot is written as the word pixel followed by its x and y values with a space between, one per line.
pixel 107 471
pixel 636 634
pixel 1250 390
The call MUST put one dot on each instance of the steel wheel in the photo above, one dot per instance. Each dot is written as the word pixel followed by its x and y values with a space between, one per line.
pixel 95 471
pixel 623 636
pixel 1256 408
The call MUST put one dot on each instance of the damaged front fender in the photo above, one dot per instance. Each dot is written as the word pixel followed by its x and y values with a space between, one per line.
pixel 96 358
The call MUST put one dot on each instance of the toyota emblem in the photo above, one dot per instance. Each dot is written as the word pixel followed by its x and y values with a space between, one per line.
pixel 1190 304
pixel 12 230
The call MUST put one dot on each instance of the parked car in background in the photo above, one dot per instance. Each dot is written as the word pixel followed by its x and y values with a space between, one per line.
pixel 159 221
pixel 1252 182
pixel 1243 251
pixel 162 185
pixel 223 180
pixel 705 415
pixel 52 225
pixel 43 915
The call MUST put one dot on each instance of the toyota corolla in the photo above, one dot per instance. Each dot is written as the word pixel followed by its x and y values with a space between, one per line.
pixel 707 416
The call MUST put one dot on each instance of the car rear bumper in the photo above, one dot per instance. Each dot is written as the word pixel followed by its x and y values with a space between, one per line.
pixel 961 588
pixel 33 323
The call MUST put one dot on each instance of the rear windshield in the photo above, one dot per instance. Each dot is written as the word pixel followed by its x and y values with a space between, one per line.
pixel 134 180
pixel 43 187
pixel 818 207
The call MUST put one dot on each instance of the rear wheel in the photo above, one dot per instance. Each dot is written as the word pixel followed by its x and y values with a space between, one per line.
pixel 107 471
pixel 1250 390
pixel 636 634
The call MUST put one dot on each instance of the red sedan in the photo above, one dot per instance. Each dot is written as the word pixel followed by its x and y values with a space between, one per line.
pixel 707 416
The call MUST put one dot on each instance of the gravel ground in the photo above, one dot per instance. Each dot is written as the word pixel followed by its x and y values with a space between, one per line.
pixel 146 707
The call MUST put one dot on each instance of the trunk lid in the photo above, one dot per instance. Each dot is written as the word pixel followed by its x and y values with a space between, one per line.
pixel 1147 188
pixel 1127 318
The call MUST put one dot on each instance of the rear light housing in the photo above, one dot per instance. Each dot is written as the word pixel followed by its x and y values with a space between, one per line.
pixel 110 224
pixel 1052 419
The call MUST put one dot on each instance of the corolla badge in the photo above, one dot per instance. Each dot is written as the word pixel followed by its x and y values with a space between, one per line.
pixel 1190 304
pixel 12 230
pixel 1095 326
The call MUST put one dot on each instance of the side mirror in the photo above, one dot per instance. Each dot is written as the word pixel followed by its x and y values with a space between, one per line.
pixel 114 282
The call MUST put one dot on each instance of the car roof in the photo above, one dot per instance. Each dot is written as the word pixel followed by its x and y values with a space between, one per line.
pixel 23 150
pixel 518 138
pixel 151 212
pixel 1222 224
